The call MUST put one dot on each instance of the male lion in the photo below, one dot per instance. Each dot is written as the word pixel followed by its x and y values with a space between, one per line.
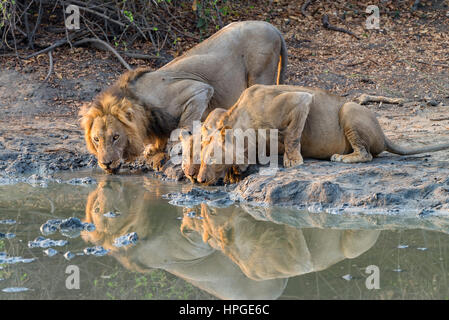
pixel 143 107
pixel 312 123
pixel 161 244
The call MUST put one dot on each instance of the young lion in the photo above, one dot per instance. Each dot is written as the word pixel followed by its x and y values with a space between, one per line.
pixel 190 167
pixel 312 123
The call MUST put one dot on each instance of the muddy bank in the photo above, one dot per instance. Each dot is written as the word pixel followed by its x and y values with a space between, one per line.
pixel 35 141
pixel 389 182
pixel 40 135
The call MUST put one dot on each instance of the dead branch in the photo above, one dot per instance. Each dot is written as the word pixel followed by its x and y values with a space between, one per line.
pixel 365 98
pixel 220 22
pixel 327 25
pixel 55 45
pixel 121 24
pixel 439 119
pixel 104 45
pixel 304 7
pixel 136 55
pixel 36 25
pixel 50 71
pixel 433 64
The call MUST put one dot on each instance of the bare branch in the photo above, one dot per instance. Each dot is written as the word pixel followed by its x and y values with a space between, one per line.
pixel 105 45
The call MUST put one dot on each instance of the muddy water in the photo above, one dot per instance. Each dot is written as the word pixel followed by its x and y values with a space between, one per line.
pixel 135 237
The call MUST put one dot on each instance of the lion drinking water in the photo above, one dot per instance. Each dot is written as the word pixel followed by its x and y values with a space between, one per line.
pixel 312 123
pixel 144 107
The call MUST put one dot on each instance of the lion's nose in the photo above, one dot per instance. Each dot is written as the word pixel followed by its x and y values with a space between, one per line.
pixel 200 179
pixel 107 164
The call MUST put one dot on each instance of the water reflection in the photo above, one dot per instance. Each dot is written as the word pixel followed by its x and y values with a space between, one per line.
pixel 224 251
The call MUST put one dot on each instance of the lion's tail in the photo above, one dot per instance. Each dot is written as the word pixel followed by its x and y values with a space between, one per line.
pixel 404 151
pixel 283 58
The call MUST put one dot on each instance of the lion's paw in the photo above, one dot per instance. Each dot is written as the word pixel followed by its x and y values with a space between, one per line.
pixel 337 158
pixel 288 163
pixel 157 161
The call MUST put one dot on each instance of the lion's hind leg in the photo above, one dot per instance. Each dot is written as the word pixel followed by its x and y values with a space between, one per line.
pixel 362 132
pixel 359 154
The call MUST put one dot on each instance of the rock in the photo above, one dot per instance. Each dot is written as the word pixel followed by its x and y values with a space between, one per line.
pixel 127 239
pixel 195 197
pixel 111 214
pixel 220 203
pixel 7 235
pixel 4 259
pixel 82 181
pixel 41 242
pixel 388 183
pixel 70 227
pixel 69 255
pixel 15 289
pixel 347 277
pixel 96 251
pixel 50 227
pixel 8 221
pixel 433 103
pixel 50 252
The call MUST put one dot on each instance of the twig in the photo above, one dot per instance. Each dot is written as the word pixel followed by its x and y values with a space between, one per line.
pixel 365 98
pixel 361 62
pixel 121 24
pixel 220 22
pixel 60 149
pixel 53 46
pixel 57 44
pixel 50 71
pixel 439 119
pixel 38 22
pixel 304 7
pixel 136 55
pixel 327 25
pixel 105 45
pixel 433 64
pixel 355 63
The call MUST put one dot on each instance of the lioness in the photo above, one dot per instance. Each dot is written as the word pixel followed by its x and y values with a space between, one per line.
pixel 286 251
pixel 312 123
pixel 190 166
pixel 143 107
pixel 161 244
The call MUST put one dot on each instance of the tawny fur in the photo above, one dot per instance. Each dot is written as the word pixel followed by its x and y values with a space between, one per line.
pixel 312 123
pixel 211 75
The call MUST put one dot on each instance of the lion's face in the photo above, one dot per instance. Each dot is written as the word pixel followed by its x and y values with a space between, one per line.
pixel 213 167
pixel 109 138
pixel 114 130
pixel 189 167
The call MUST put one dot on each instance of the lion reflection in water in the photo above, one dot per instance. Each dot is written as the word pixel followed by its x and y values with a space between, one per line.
pixel 224 252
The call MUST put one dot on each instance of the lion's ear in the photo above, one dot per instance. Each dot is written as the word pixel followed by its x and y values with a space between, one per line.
pixel 83 114
pixel 129 115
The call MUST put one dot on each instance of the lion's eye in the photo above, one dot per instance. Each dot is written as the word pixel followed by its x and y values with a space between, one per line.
pixel 114 138
pixel 96 139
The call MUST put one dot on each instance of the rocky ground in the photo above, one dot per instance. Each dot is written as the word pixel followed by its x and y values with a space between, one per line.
pixel 408 58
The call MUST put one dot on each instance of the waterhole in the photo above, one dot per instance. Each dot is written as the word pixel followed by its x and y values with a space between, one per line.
pixel 85 235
